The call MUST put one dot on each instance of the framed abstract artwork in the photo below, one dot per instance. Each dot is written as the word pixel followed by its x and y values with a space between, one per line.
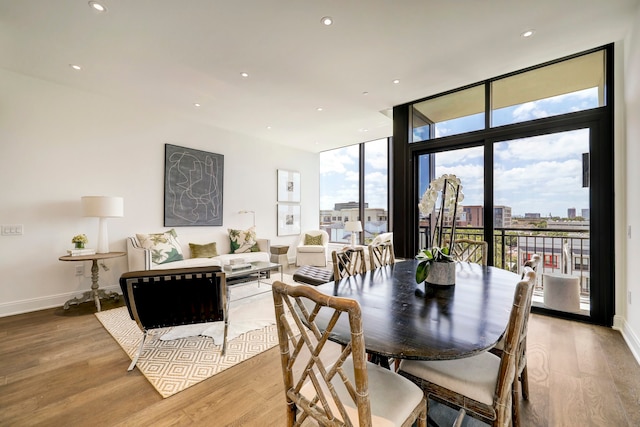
pixel 192 187
pixel 288 219
pixel 288 186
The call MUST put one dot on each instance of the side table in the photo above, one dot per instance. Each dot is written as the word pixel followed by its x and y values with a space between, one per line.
pixel 95 293
pixel 279 254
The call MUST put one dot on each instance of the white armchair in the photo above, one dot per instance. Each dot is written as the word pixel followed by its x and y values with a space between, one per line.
pixel 312 254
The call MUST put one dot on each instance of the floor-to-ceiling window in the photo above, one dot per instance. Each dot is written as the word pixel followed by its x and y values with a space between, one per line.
pixel 354 186
pixel 534 151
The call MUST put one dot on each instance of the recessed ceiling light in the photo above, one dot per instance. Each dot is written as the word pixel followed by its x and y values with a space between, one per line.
pixel 268 127
pixel 196 105
pixel 245 75
pixel 396 81
pixel 327 20
pixel 528 33
pixel 97 6
pixel 75 67
pixel 365 93
pixel 319 108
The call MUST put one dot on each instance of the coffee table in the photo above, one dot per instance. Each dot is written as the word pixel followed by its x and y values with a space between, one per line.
pixel 256 268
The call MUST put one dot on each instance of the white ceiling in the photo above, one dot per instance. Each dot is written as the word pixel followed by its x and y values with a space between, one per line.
pixel 171 54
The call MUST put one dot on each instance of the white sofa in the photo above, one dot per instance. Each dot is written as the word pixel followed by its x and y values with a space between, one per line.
pixel 140 258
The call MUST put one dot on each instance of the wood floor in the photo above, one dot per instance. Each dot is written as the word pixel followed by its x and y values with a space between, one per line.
pixel 62 368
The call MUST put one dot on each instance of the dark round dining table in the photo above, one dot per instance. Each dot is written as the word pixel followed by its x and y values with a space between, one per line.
pixel 406 320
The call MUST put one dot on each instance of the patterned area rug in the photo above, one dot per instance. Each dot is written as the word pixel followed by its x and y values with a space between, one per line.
pixel 172 365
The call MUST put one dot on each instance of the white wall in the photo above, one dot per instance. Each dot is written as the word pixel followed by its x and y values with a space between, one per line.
pixel 628 314
pixel 58 144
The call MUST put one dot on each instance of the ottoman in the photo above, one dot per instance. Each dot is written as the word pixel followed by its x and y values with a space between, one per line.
pixel 561 292
pixel 312 275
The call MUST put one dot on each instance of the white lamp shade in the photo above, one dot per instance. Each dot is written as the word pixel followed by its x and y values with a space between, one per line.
pixel 103 206
pixel 353 226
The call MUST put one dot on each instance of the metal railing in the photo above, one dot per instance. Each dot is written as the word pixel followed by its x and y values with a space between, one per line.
pixel 562 251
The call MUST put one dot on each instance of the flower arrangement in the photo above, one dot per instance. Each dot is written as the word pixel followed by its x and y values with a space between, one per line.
pixel 449 188
pixel 450 200
pixel 80 240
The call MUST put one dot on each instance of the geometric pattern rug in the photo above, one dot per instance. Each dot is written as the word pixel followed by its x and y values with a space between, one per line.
pixel 172 365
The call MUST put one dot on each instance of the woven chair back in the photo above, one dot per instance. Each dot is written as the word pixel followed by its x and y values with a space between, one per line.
pixel 312 372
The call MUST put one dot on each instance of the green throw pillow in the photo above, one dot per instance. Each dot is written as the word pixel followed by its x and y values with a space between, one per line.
pixel 313 240
pixel 203 251
pixel 164 247
pixel 241 241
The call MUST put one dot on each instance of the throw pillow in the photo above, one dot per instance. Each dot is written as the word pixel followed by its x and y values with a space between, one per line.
pixel 203 251
pixel 164 247
pixel 313 240
pixel 243 241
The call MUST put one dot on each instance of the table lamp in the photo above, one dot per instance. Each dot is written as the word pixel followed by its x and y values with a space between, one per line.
pixel 103 207
pixel 354 227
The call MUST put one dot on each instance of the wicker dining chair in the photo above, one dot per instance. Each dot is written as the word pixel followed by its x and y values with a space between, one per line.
pixel 470 251
pixel 521 380
pixel 348 262
pixel 481 384
pixel 336 388
pixel 381 254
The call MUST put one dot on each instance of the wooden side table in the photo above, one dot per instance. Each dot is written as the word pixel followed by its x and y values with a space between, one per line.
pixel 279 254
pixel 95 293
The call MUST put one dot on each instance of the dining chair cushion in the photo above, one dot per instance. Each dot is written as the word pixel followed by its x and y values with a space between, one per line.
pixel 392 396
pixel 475 377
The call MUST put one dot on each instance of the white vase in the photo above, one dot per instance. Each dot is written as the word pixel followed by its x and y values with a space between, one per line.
pixel 442 273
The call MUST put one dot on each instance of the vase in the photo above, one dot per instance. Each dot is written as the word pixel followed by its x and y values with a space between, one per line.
pixel 442 273
pixel 79 245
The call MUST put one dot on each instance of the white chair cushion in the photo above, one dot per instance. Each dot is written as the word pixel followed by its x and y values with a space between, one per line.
pixel 311 248
pixel 392 396
pixel 382 237
pixel 475 377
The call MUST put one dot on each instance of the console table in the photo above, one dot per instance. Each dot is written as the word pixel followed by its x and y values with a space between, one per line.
pixel 95 293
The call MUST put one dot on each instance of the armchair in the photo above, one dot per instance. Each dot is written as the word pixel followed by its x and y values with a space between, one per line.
pixel 313 248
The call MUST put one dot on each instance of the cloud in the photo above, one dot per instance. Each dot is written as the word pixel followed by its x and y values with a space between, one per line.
pixel 557 146
pixel 339 161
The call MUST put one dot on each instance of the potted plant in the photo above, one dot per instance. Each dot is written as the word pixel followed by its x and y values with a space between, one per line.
pixel 435 264
pixel 80 240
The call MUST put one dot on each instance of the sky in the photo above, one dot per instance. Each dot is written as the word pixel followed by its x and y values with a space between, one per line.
pixel 339 177
pixel 541 174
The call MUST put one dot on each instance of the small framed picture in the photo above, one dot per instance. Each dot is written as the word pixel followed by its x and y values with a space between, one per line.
pixel 288 220
pixel 288 186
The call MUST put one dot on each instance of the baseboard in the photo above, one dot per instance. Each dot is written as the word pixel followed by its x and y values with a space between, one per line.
pixel 620 323
pixel 42 303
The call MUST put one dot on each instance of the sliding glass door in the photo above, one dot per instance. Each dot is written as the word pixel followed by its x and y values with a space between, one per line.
pixel 541 206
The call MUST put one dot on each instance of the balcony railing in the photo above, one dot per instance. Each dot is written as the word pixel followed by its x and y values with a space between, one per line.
pixel 562 251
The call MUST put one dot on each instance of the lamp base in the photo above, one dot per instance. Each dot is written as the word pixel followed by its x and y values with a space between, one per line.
pixel 103 237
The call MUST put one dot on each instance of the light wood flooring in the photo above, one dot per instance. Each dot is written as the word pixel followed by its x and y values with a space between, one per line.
pixel 62 368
